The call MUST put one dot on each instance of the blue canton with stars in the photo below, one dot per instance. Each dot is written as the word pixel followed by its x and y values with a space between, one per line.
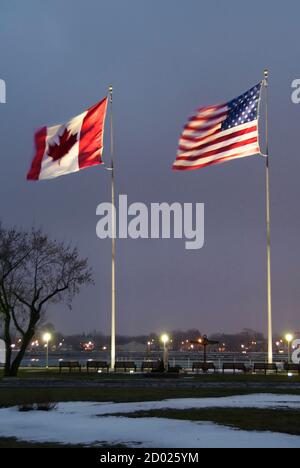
pixel 243 109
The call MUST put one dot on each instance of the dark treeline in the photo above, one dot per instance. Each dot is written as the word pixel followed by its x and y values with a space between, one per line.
pixel 246 340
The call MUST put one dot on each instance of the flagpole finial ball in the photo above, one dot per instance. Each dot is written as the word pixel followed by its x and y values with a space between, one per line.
pixel 110 89
pixel 266 73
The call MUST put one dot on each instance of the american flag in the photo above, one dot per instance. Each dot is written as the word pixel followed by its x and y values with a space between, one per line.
pixel 220 133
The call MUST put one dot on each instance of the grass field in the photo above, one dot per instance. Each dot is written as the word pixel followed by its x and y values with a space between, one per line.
pixel 53 374
pixel 9 442
pixel 280 421
pixel 283 421
pixel 18 396
pixel 248 419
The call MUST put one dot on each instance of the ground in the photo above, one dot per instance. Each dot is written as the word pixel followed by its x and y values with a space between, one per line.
pixel 35 386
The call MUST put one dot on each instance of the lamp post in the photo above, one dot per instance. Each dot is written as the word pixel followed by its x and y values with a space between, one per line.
pixel 204 341
pixel 47 337
pixel 165 340
pixel 289 338
pixel 148 350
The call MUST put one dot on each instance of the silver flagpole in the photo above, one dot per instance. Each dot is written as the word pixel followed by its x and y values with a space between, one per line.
pixel 269 287
pixel 113 257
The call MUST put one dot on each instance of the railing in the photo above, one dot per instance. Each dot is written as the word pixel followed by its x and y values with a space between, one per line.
pixel 184 360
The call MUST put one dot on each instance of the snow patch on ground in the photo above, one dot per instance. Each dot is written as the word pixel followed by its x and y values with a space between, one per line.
pixel 80 423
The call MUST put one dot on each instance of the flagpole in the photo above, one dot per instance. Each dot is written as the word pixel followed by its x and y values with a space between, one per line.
pixel 269 287
pixel 113 256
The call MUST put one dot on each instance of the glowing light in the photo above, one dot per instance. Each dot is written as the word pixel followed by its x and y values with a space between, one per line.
pixel 289 337
pixel 47 337
pixel 165 338
pixel 89 346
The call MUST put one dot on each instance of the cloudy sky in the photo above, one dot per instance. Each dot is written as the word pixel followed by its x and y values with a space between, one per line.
pixel 164 59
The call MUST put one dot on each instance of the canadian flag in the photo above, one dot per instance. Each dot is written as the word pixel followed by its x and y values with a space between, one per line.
pixel 68 148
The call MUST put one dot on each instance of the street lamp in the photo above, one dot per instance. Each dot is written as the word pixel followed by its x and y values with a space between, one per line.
pixel 289 338
pixel 148 349
pixel 47 337
pixel 165 340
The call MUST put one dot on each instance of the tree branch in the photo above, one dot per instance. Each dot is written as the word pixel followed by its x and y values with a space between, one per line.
pixel 22 300
pixel 53 294
pixel 18 327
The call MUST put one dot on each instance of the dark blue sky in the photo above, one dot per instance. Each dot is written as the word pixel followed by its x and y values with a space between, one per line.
pixel 164 59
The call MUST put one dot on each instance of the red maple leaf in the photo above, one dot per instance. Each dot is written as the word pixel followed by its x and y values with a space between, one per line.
pixel 66 141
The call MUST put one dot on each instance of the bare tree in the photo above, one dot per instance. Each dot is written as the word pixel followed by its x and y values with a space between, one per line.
pixel 34 271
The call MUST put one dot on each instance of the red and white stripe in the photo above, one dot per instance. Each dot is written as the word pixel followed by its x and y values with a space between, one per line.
pixel 204 143
pixel 85 149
